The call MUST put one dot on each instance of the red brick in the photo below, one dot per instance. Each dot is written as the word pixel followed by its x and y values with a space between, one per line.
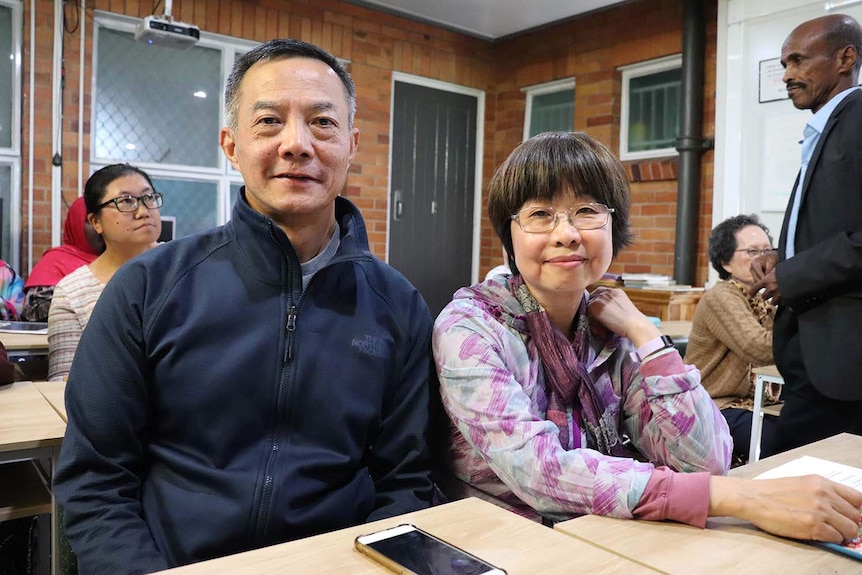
pixel 588 49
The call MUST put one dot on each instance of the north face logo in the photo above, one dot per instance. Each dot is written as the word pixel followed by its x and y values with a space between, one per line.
pixel 369 345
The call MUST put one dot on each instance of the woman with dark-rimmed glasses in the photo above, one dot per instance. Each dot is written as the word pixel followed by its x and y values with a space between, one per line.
pixel 123 208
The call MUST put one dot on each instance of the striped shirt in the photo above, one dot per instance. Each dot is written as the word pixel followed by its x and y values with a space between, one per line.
pixel 74 299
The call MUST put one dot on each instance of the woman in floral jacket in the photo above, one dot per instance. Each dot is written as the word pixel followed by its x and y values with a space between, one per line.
pixel 566 402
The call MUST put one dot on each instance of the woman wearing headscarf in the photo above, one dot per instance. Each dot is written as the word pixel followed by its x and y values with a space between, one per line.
pixel 81 245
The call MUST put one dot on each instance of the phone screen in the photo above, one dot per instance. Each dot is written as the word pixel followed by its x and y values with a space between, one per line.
pixel 423 554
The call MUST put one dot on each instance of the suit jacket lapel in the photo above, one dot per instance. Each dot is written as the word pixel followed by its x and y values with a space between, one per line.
pixel 818 150
pixel 809 171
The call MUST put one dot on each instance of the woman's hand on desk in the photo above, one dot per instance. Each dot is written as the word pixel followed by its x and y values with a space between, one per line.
pixel 809 507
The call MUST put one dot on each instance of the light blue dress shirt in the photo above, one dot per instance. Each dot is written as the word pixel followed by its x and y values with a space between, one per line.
pixel 811 135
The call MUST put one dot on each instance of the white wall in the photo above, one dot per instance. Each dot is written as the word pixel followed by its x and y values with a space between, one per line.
pixel 757 150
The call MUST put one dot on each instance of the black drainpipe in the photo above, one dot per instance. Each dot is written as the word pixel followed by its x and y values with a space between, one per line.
pixel 690 144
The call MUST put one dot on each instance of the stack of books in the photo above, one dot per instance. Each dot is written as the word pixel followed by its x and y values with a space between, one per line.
pixel 610 280
pixel 647 280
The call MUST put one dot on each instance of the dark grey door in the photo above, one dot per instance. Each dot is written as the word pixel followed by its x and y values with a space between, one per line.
pixel 431 197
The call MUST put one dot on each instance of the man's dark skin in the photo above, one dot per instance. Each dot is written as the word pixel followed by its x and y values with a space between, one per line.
pixel 813 74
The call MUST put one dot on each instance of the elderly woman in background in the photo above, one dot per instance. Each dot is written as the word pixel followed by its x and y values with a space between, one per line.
pixel 81 245
pixel 731 332
pixel 123 208
pixel 566 402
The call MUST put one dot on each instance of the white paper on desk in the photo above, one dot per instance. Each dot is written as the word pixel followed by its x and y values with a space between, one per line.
pixel 837 472
pixel 807 465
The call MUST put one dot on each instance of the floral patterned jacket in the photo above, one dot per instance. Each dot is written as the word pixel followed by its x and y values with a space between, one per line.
pixel 493 389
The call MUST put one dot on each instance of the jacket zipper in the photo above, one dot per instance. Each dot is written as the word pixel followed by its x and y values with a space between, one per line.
pixel 269 477
pixel 293 312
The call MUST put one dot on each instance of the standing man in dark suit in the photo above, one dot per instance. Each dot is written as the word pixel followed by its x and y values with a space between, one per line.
pixel 817 280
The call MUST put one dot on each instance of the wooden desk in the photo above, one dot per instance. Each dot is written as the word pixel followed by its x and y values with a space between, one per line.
pixel 55 393
pixel 666 304
pixel 507 540
pixel 30 429
pixel 27 422
pixel 727 545
pixel 23 341
pixel 29 351
pixel 843 448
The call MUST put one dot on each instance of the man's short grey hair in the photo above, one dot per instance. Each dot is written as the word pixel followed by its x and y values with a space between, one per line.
pixel 276 50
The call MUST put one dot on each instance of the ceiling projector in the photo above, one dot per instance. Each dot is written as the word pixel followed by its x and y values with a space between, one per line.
pixel 167 32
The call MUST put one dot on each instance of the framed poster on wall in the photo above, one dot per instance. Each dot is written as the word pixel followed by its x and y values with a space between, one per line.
pixel 771 81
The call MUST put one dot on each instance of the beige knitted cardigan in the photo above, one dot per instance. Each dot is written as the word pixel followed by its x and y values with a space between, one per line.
pixel 726 341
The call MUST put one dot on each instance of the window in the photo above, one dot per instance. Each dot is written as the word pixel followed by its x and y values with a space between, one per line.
pixel 150 113
pixel 550 107
pixel 10 130
pixel 166 119
pixel 650 108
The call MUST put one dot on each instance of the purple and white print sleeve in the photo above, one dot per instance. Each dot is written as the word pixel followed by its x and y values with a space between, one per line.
pixel 493 390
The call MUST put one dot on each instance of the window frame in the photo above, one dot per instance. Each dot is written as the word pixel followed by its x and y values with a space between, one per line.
pixel 541 90
pixel 640 70
pixel 224 175
pixel 11 156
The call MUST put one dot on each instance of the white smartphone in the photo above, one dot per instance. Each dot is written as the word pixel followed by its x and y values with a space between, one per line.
pixel 408 550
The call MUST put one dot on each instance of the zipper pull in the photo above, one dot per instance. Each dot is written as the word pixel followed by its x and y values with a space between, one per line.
pixel 291 319
pixel 291 327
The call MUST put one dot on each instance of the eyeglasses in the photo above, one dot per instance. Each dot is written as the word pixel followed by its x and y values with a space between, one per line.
pixel 754 252
pixel 543 220
pixel 129 203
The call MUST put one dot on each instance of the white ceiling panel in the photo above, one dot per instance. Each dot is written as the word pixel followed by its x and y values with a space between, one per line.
pixel 489 19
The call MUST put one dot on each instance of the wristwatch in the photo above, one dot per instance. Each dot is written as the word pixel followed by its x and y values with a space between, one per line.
pixel 651 347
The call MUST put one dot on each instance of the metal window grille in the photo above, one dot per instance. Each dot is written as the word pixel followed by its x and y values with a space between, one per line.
pixel 654 102
pixel 552 112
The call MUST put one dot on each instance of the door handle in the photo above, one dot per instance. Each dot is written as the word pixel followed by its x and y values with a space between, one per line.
pixel 398 206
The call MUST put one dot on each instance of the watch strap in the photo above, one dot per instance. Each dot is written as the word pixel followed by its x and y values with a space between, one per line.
pixel 652 346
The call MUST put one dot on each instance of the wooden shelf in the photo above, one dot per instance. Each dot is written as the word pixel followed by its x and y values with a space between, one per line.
pixel 665 304
pixel 22 491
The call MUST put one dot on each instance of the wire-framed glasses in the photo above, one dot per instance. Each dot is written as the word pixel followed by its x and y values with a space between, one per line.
pixel 542 220
pixel 754 252
pixel 129 203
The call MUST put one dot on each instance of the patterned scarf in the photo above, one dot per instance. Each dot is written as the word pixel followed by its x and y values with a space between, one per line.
pixel 764 311
pixel 568 383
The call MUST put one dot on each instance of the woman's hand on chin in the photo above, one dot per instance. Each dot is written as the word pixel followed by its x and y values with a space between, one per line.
pixel 612 308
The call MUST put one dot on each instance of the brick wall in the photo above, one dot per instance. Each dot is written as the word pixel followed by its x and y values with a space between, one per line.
pixel 589 48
